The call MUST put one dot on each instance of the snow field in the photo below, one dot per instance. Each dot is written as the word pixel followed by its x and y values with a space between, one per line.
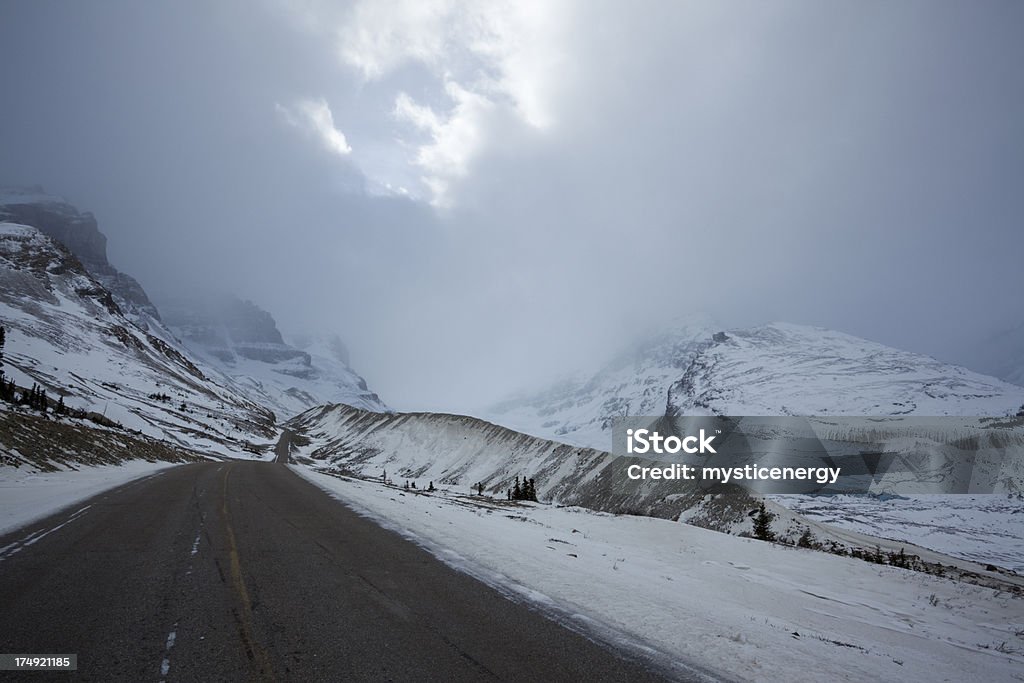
pixel 744 608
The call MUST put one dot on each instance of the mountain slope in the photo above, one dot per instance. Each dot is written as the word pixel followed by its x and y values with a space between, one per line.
pixel 776 369
pixel 236 344
pixel 579 410
pixel 242 342
pixel 462 451
pixel 66 332
pixel 798 370
pixel 456 453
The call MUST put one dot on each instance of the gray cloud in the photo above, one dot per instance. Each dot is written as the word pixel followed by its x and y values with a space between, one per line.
pixel 593 170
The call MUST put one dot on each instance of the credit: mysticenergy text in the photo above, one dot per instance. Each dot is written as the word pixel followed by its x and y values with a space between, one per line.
pixel 645 441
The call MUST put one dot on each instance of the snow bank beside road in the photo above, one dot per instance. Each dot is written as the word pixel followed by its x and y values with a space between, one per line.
pixel 748 609
pixel 27 495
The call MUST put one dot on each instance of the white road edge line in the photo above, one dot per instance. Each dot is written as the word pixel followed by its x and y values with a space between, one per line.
pixel 165 666
pixel 18 546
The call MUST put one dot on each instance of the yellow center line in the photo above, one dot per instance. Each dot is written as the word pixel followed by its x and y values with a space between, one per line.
pixel 238 583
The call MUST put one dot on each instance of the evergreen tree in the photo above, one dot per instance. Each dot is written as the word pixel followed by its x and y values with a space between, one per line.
pixel 43 405
pixel 763 524
pixel 517 493
pixel 431 487
pixel 60 405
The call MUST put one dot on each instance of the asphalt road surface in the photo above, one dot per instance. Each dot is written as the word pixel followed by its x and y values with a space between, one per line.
pixel 244 571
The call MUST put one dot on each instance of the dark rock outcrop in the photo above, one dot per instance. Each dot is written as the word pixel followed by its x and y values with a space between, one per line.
pixel 79 232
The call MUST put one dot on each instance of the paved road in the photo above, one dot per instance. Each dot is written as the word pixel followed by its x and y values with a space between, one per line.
pixel 245 571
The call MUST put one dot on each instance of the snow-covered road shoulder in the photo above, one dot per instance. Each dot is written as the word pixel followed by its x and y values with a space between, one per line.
pixel 27 495
pixel 748 609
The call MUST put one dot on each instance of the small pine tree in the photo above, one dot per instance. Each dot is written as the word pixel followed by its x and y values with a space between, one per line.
pixel 60 405
pixel 763 524
pixel 431 487
pixel 806 539
pixel 517 492
pixel 533 492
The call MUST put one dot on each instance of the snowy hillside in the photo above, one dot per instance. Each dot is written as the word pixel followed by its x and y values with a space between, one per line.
pixel 66 332
pixel 243 343
pixel 777 369
pixel 579 410
pixel 462 451
pixel 982 528
pixel 783 369
pixel 231 342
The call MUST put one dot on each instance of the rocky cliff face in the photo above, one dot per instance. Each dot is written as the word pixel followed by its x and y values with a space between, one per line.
pixel 66 332
pixel 243 342
pixel 79 232
pixel 229 329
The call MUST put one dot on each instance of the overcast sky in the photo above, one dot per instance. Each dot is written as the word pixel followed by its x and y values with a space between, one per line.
pixel 478 196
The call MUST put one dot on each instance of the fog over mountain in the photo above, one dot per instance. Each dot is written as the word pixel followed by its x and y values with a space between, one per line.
pixel 479 196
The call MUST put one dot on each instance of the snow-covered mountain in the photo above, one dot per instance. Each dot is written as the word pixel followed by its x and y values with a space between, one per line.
pixel 78 231
pixel 579 409
pixel 776 369
pixel 798 370
pixel 229 341
pixel 243 342
pixel 67 332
